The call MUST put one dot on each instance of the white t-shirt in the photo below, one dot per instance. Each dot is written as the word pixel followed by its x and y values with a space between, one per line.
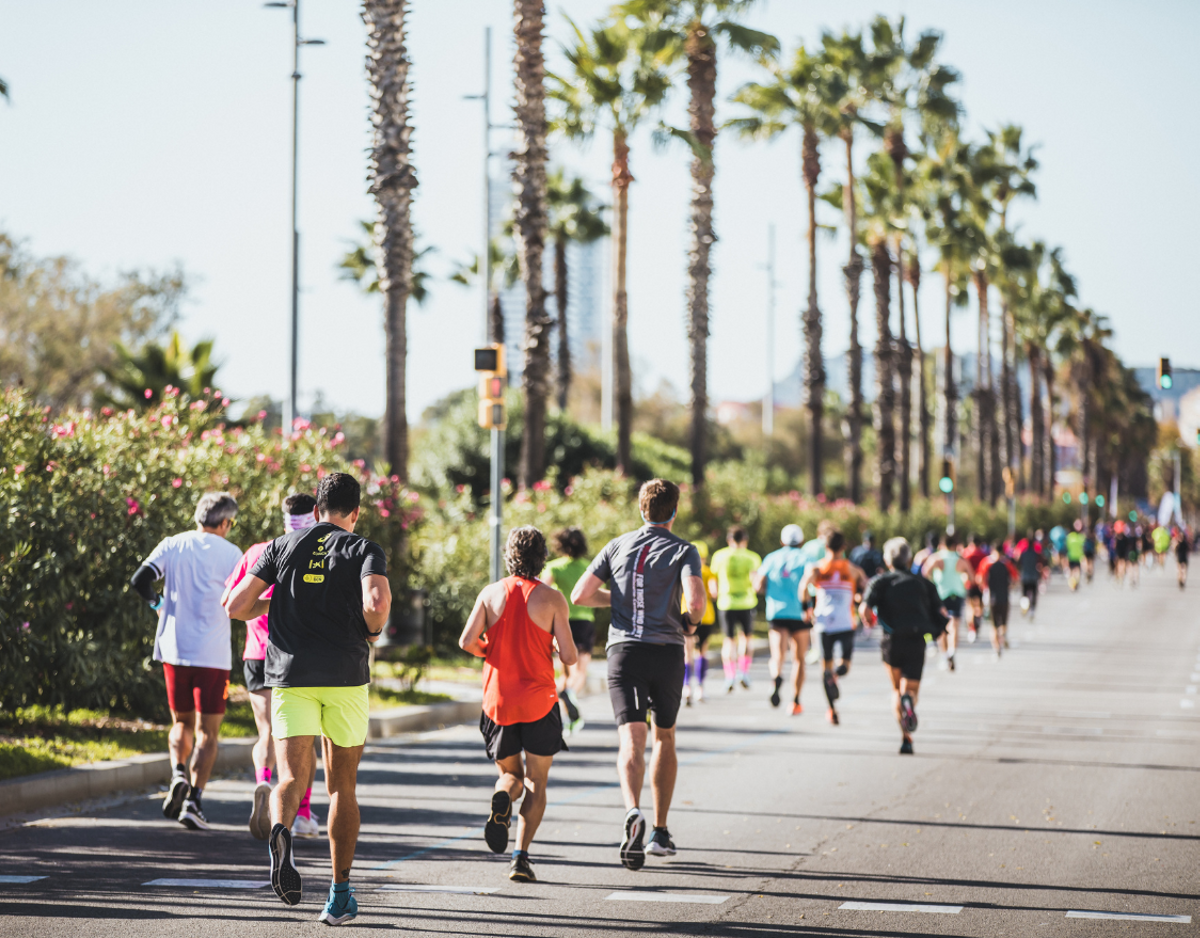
pixel 193 629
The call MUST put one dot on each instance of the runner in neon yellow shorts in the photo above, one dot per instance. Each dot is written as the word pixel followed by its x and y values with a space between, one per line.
pixel 340 714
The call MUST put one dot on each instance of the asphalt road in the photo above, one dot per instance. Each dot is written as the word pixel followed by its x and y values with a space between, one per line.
pixel 1058 781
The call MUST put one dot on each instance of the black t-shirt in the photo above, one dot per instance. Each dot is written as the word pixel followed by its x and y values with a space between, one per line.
pixel 907 604
pixel 999 579
pixel 868 559
pixel 316 633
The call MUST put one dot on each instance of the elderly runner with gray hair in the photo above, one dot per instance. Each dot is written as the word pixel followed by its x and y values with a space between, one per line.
pixel 193 643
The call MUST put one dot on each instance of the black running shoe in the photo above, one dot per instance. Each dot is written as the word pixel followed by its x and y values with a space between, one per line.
pixel 906 748
pixel 842 669
pixel 661 844
pixel 633 853
pixel 177 794
pixel 831 687
pixel 568 699
pixel 192 817
pixel 908 714
pixel 285 878
pixel 495 831
pixel 775 692
pixel 521 870
pixel 950 662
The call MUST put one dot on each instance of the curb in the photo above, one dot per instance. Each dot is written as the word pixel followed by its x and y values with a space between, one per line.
pixel 99 779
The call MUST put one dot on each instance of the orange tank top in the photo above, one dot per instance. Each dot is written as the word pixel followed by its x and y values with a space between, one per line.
pixel 518 664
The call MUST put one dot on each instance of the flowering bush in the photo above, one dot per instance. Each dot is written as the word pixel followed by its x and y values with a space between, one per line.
pixel 86 497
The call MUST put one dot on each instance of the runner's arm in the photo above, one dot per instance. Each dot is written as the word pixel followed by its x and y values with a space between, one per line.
pixel 758 580
pixel 590 591
pixel 377 603
pixel 693 595
pixel 471 640
pixel 244 601
pixel 562 630
pixel 143 581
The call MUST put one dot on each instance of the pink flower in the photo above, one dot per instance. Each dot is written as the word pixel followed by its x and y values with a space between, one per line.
pixel 106 411
pixel 460 489
pixel 107 469
pixel 338 439
pixel 149 394
pixel 569 490
pixel 261 457
pixel 541 486
pixel 299 423
pixel 51 466
pixel 204 434
pixel 262 415
pixel 134 507
pixel 541 508
pixel 69 605
pixel 385 512
pixel 217 393
pixel 361 463
pixel 166 422
pixel 168 389
pixel 17 470
pixel 197 405
pixel 224 402
pixel 25 625
pixel 176 483
pixel 412 497
pixel 305 467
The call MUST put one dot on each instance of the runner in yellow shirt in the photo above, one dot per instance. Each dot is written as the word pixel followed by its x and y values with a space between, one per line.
pixel 696 650
pixel 736 603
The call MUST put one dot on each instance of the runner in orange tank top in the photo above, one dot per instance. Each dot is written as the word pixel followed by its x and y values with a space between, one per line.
pixel 514 627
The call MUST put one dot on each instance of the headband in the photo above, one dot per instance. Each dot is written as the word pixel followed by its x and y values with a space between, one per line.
pixel 298 522
pixel 659 524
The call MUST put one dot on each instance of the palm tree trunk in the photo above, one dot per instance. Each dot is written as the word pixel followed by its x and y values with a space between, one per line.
pixel 561 286
pixel 885 392
pixel 1037 473
pixel 623 381
pixel 982 388
pixel 949 392
pixel 814 362
pixel 529 227
pixel 496 320
pixel 852 273
pixel 702 85
pixel 924 454
pixel 392 180
pixel 1051 453
pixel 904 366
pixel 1010 425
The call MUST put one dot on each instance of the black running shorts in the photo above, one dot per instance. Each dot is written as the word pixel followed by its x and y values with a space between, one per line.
pixel 1000 615
pixel 845 639
pixel 734 619
pixel 584 633
pixel 1073 564
pixel 953 606
pixel 703 633
pixel 906 652
pixel 644 677
pixel 1029 589
pixel 974 591
pixel 540 738
pixel 791 626
pixel 253 669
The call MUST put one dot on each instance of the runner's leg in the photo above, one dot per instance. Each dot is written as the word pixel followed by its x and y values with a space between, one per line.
pixel 205 753
pixel 775 638
pixel 294 757
pixel 799 642
pixel 631 761
pixel 182 737
pixel 341 777
pixel 263 753
pixel 512 777
pixel 537 772
pixel 664 767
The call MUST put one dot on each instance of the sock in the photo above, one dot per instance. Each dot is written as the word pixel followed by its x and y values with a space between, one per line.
pixel 196 793
pixel 179 769
pixel 702 669
pixel 728 666
pixel 687 673
pixel 796 699
pixel 744 665
pixel 303 810
pixel 778 682
pixel 520 853
pixel 263 775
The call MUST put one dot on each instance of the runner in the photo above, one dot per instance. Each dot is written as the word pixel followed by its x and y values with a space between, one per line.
pixel 649 572
pixel 297 515
pixel 867 557
pixel 514 627
pixel 695 651
pixel 1119 551
pixel 909 610
pixel 1029 563
pixel 1133 556
pixel 780 576
pixel 1161 538
pixel 996 575
pixel 1058 546
pixel 736 605
pixel 1074 555
pixel 563 572
pixel 332 604
pixel 194 645
pixel 1182 552
pixel 974 555
pixel 930 548
pixel 837 583
pixel 950 574
pixel 1089 555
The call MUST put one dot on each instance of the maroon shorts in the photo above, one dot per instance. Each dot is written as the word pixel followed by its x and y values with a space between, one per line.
pixel 203 689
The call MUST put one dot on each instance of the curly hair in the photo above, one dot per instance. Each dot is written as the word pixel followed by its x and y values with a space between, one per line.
pixel 570 542
pixel 525 552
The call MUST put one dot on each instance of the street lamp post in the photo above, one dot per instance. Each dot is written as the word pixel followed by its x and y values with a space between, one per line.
pixel 289 404
pixel 768 414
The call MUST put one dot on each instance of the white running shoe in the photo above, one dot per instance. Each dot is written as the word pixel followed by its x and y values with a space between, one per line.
pixel 306 826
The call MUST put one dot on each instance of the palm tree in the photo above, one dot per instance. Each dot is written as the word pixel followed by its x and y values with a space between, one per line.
pixel 392 180
pixel 529 226
pixel 139 379
pixel 619 75
pixel 358 264
pixel 694 27
pixel 802 94
pixel 574 217
pixel 912 274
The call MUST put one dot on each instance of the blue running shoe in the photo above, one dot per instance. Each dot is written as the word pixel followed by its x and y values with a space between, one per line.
pixel 336 912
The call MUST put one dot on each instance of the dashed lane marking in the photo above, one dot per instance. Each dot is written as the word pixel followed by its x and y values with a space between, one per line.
pixel 1187 704
pixel 455 890
pixel 664 897
pixel 1132 917
pixel 20 880
pixel 900 907
pixel 211 883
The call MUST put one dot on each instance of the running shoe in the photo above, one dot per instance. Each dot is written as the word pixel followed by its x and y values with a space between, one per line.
pixel 950 662
pixel 745 681
pixel 687 694
pixel 908 714
pixel 177 794
pixel 661 844
pixel 1005 642
pixel 495 831
pixel 842 669
pixel 633 853
pixel 521 870
pixel 729 685
pixel 260 814
pixel 192 817
pixel 306 826
pixel 285 878
pixel 831 687
pixel 832 716
pixel 775 692
pixel 972 635
pixel 797 709
pixel 336 912
pixel 572 705
pixel 906 748
pixel 575 726
pixel 699 693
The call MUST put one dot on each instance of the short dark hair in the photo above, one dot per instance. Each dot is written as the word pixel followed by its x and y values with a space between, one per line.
pixel 299 503
pixel 570 542
pixel 658 500
pixel 737 534
pixel 338 494
pixel 835 542
pixel 950 540
pixel 525 552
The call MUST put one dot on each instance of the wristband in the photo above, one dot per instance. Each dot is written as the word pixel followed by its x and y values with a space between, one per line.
pixel 157 604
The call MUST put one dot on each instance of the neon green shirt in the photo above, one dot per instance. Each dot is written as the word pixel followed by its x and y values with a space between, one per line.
pixel 733 566
pixel 564 574
pixel 1074 546
pixel 1162 540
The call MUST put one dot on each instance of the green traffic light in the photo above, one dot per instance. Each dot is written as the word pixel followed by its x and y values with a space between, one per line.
pixel 1133 516
pixel 946 484
pixel 1099 501
pixel 1167 381
pixel 1083 498
pixel 1066 498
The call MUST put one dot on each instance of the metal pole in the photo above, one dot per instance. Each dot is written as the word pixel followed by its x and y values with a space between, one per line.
pixel 289 408
pixel 1012 517
pixel 768 414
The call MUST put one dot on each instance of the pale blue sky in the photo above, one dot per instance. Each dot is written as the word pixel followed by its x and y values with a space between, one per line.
pixel 149 132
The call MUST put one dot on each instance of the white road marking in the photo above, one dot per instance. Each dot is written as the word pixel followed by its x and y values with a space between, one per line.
pixel 1191 689
pixel 456 890
pixel 664 897
pixel 1132 917
pixel 1073 730
pixel 900 907
pixel 211 883
pixel 20 880
pixel 1187 704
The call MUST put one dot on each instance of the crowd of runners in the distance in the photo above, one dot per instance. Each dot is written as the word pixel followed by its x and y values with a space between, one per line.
pixel 316 597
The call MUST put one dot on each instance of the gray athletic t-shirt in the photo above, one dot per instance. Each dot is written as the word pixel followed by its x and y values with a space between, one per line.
pixel 644 571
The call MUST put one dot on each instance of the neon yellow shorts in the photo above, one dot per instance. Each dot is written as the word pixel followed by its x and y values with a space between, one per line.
pixel 339 713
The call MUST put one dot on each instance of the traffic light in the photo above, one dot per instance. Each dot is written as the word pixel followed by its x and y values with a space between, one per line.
pixel 946 482
pixel 1066 498
pixel 1165 381
pixel 489 362
pixel 1083 498
pixel 1099 501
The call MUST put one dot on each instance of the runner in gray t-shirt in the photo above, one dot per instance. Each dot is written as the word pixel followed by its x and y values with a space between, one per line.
pixel 650 574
